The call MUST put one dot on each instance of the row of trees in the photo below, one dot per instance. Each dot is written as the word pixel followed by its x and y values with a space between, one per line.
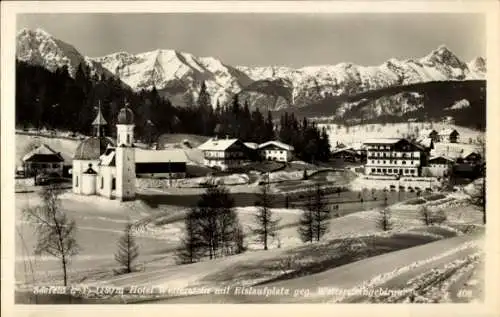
pixel 55 100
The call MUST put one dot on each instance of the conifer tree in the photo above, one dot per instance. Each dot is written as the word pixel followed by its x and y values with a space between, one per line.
pixel 128 251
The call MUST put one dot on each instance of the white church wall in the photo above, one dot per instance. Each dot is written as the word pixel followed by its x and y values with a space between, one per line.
pixel 89 184
pixel 125 173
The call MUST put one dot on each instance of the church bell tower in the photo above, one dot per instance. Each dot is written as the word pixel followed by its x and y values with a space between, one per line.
pixel 125 154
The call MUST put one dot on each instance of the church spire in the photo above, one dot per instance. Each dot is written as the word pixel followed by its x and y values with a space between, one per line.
pixel 99 121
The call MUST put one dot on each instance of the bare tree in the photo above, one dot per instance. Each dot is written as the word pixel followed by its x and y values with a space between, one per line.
pixel 266 225
pixel 55 231
pixel 128 251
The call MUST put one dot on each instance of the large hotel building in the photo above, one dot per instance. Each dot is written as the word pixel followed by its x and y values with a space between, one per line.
pixel 394 156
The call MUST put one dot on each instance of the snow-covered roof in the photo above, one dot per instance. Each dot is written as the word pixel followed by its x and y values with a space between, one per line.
pixel 43 150
pixel 108 159
pixel 251 145
pixel 469 152
pixel 160 156
pixel 427 132
pixel 279 144
pixel 383 141
pixel 217 144
pixel 441 156
pixel 348 150
pixel 427 142
pixel 447 131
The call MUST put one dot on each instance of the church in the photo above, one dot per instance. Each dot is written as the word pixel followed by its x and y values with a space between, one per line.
pixel 104 167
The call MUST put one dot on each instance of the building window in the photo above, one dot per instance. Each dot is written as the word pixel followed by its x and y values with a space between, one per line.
pixel 76 181
pixel 384 162
pixel 373 170
pixel 102 182
pixel 404 162
pixel 378 170
pixel 113 183
pixel 384 171
pixel 128 138
pixel 412 171
pixel 389 170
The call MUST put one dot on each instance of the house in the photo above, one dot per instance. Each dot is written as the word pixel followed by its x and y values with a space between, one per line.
pixel 394 156
pixel 224 153
pixel 345 155
pixel 43 160
pixel 448 135
pixel 440 166
pixel 471 157
pixel 429 133
pixel 276 151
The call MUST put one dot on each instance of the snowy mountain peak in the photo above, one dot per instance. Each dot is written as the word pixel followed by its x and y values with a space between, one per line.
pixel 443 55
pixel 478 64
pixel 38 47
pixel 178 75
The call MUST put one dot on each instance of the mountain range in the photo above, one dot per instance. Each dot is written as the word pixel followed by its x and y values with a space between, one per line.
pixel 178 75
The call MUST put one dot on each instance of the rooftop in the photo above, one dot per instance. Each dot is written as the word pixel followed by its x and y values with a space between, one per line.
pixel 277 144
pixel 160 156
pixel 43 150
pixel 217 144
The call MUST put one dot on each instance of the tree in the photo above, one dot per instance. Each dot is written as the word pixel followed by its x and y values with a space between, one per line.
pixel 321 212
pixel 425 215
pixel 384 220
pixel 55 231
pixel 216 222
pixel 191 245
pixel 128 250
pixel 306 224
pixel 266 225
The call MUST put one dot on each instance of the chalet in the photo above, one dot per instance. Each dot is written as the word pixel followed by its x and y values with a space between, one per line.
pixel 471 157
pixel 439 166
pixel 449 135
pixel 43 160
pixel 429 133
pixel 394 156
pixel 169 163
pixel 276 151
pixel 345 155
pixel 224 153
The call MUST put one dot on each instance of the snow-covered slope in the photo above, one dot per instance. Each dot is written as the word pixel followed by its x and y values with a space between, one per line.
pixel 178 75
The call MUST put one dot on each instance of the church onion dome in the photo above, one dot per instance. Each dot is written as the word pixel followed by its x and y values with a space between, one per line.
pixel 125 116
pixel 92 148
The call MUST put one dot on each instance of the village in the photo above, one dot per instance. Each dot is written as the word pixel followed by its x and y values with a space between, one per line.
pixel 424 163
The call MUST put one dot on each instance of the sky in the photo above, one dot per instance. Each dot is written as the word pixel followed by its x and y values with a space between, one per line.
pixel 257 39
